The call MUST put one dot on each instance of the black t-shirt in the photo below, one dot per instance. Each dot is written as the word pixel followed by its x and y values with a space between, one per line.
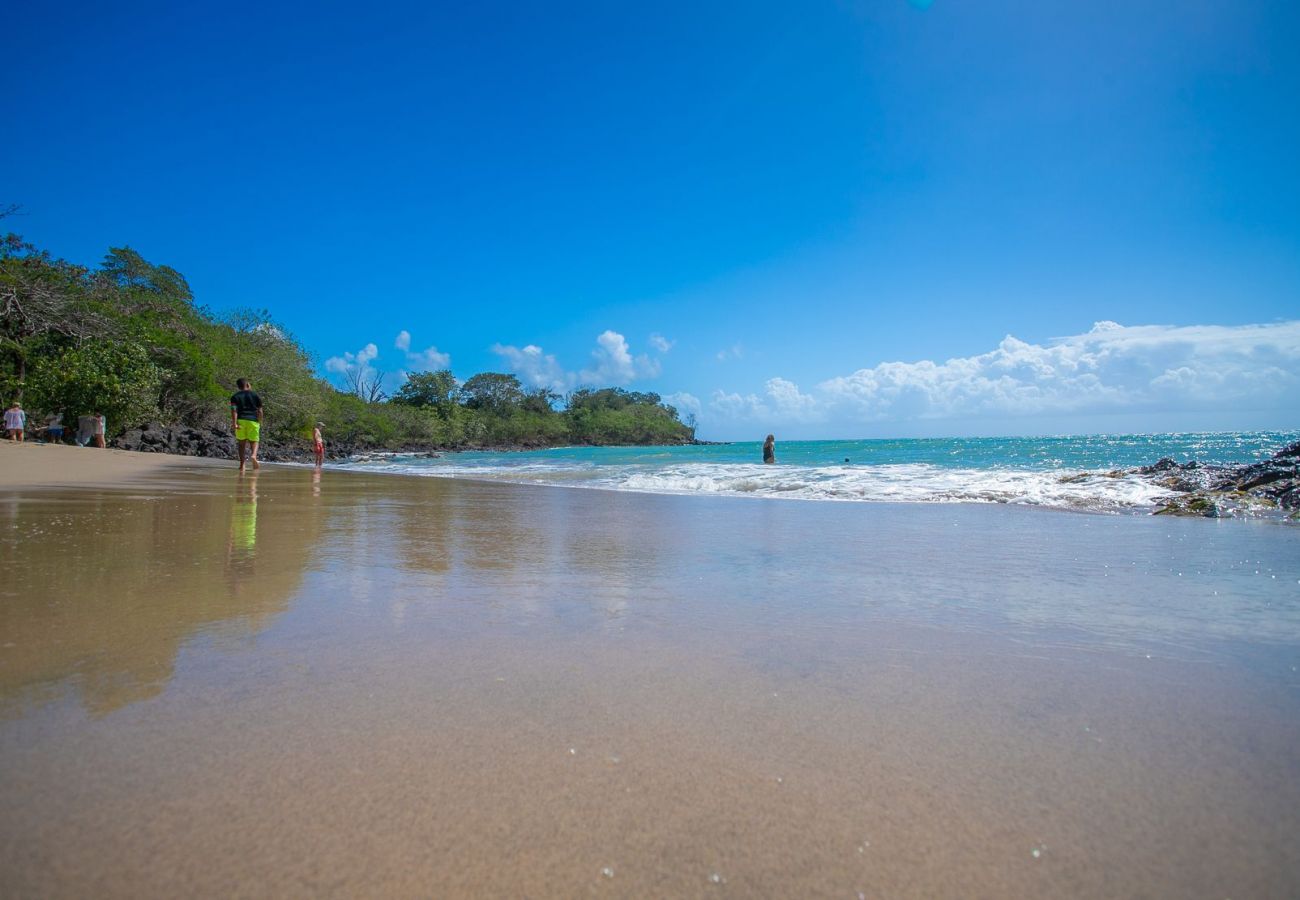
pixel 246 404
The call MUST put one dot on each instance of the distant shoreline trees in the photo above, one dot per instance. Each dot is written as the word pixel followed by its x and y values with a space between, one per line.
pixel 128 339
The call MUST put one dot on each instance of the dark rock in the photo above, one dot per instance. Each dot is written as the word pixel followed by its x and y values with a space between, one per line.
pixel 156 438
pixel 1163 465
pixel 1193 506
pixel 1213 491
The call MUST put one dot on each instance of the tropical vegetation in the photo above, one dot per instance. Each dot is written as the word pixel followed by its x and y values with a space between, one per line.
pixel 128 339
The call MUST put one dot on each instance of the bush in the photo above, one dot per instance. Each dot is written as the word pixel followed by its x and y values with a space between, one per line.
pixel 118 380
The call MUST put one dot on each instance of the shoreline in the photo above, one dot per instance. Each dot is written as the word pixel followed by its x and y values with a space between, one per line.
pixel 51 466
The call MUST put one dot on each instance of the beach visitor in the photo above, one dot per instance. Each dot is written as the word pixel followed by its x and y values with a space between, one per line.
pixel 318 444
pixel 246 419
pixel 85 431
pixel 15 421
pixel 769 449
pixel 54 427
pixel 100 426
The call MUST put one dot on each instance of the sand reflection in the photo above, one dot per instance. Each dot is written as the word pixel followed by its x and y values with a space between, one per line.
pixel 102 589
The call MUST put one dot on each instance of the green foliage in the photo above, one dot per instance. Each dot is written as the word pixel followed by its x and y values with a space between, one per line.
pixel 493 392
pixel 117 379
pixel 616 416
pixel 129 340
pixel 540 401
pixel 436 390
pixel 249 344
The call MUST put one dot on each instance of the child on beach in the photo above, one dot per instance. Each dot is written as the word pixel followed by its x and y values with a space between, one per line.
pixel 15 421
pixel 318 444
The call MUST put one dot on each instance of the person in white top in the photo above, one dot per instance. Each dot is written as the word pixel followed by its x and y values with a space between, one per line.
pixel 100 424
pixel 15 421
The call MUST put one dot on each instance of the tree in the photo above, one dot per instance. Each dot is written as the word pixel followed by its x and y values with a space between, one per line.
pixel 133 275
pixel 117 379
pixel 366 383
pixel 42 300
pixel 540 400
pixel 435 390
pixel 493 392
pixel 249 344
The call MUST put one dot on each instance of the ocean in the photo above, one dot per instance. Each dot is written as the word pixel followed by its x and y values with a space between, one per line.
pixel 1034 471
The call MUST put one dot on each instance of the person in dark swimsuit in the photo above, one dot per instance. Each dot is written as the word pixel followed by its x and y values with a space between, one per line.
pixel 769 449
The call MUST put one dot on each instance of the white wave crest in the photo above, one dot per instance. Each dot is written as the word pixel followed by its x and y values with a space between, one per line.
pixel 902 483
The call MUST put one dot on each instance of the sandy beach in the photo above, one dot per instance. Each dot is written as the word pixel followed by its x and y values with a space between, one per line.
pixel 31 464
pixel 301 683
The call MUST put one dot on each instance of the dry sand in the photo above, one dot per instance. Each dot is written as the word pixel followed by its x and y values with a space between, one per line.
pixel 329 684
pixel 30 464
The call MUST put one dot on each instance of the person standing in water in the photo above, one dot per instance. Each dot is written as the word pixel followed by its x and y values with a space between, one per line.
pixel 769 449
pixel 246 419
pixel 318 444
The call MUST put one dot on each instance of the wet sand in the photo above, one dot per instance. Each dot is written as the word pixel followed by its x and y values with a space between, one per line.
pixel 30 464
pixel 342 684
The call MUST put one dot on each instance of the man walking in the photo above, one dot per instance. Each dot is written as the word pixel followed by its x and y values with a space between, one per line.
pixel 246 419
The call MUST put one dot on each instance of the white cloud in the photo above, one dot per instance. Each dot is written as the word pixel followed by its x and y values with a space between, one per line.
pixel 534 367
pixel 429 359
pixel 661 343
pixel 685 402
pixel 426 360
pixel 360 366
pixel 737 406
pixel 1111 368
pixel 781 401
pixel 787 401
pixel 735 351
pixel 612 363
pixel 354 362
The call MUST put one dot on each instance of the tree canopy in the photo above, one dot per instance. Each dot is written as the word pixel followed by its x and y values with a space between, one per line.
pixel 128 339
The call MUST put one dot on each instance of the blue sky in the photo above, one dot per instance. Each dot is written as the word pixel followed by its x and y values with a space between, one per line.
pixel 823 219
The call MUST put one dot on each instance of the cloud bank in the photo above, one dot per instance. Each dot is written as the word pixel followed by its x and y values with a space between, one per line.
pixel 1111 368
pixel 612 363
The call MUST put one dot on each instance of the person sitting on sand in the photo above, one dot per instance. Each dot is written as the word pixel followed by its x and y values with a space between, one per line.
pixel 246 419
pixel 15 421
pixel 769 449
pixel 318 444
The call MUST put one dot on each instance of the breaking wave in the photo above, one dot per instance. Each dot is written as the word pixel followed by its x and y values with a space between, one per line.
pixel 1097 473
pixel 915 483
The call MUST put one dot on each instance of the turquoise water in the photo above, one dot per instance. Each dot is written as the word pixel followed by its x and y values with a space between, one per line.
pixel 1033 471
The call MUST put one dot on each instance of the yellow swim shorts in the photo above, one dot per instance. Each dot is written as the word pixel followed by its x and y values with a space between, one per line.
pixel 248 430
